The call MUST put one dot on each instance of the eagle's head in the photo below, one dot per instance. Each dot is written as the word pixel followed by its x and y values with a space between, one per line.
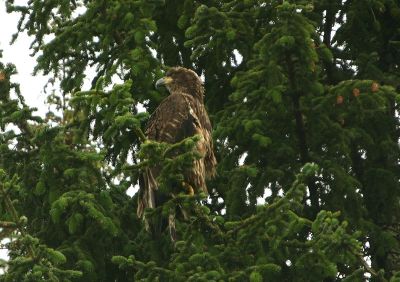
pixel 182 80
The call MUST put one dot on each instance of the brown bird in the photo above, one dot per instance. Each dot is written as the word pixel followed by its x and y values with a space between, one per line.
pixel 182 114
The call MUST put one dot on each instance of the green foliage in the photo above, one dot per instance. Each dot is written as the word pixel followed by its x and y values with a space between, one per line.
pixel 303 97
pixel 30 261
pixel 259 246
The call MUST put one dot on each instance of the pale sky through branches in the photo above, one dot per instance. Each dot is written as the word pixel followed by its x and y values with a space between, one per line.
pixel 32 87
pixel 18 54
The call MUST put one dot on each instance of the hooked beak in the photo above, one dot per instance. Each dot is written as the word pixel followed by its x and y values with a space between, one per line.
pixel 163 81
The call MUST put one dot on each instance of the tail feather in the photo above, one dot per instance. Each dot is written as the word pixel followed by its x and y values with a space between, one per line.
pixel 171 226
pixel 150 198
pixel 147 197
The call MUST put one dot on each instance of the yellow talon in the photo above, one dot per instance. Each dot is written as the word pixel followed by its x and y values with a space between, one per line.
pixel 189 188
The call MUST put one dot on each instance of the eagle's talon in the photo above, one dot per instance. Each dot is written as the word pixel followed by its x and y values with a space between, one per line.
pixel 188 188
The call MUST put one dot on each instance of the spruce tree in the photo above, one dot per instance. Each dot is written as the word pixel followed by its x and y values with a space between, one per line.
pixel 303 97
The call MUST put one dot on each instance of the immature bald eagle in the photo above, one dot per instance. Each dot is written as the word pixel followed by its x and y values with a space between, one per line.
pixel 182 114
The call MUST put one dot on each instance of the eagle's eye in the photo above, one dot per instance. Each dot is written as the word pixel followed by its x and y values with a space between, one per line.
pixel 182 80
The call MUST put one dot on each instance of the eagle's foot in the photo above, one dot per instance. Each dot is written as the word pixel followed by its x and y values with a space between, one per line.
pixel 188 188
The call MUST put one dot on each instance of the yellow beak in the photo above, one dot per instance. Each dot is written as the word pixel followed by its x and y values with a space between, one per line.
pixel 163 81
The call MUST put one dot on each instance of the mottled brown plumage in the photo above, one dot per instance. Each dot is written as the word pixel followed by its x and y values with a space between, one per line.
pixel 182 114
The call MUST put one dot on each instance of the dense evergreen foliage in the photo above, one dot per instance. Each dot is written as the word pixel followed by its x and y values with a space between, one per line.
pixel 303 97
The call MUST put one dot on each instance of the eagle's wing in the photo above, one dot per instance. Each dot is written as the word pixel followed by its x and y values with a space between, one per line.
pixel 180 116
pixel 210 161
pixel 172 121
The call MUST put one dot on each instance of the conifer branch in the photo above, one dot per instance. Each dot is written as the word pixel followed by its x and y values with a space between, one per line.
pixel 180 144
pixel 139 133
pixel 368 268
pixel 217 230
pixel 8 224
pixel 14 214
pixel 271 207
